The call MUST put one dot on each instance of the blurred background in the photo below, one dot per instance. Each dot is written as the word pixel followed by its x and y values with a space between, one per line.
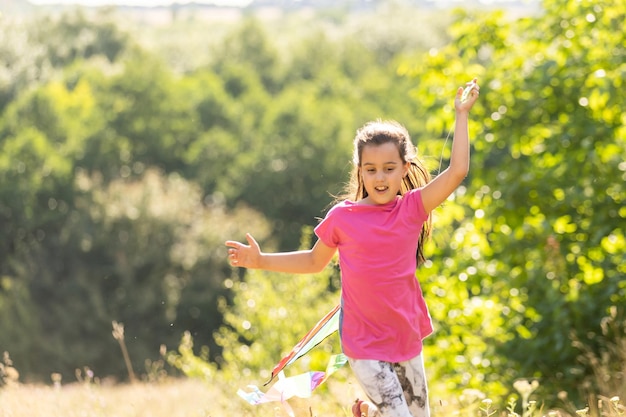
pixel 136 137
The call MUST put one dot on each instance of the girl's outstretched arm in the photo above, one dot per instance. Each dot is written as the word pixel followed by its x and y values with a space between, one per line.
pixel 297 262
pixel 439 189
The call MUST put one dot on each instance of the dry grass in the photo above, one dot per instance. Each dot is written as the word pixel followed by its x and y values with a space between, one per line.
pixel 195 398
pixel 189 398
pixel 172 398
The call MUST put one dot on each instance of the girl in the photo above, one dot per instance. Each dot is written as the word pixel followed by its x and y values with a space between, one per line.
pixel 378 233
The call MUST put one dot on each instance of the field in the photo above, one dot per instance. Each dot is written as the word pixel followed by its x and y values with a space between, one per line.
pixel 171 398
pixel 178 397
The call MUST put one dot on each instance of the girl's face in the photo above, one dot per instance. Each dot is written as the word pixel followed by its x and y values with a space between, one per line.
pixel 382 171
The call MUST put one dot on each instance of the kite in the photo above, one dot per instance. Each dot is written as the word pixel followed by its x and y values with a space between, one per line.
pixel 324 328
pixel 300 385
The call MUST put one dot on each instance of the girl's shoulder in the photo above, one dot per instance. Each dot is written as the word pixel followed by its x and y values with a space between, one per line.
pixel 341 207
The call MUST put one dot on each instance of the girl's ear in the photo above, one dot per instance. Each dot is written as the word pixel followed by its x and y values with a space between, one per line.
pixel 406 168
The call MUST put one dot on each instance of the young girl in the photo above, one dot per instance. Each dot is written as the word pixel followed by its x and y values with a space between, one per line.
pixel 378 233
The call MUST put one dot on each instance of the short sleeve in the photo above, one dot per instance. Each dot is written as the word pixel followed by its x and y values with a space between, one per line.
pixel 416 204
pixel 325 230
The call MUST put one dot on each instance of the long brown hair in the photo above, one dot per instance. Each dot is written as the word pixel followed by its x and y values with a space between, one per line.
pixel 377 133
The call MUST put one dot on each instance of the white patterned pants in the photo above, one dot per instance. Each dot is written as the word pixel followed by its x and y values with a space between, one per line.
pixel 397 389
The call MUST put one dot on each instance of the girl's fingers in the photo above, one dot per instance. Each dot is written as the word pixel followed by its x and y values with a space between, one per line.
pixel 233 251
pixel 251 241
pixel 239 254
pixel 232 244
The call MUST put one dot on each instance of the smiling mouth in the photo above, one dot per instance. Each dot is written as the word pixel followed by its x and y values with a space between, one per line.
pixel 380 188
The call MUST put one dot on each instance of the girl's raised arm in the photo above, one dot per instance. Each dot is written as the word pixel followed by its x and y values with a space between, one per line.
pixel 439 189
pixel 297 262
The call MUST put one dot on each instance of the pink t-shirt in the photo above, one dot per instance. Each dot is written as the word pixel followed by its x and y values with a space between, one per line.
pixel 384 315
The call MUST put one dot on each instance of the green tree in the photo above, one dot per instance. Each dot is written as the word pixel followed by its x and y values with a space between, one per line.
pixel 22 62
pixel 144 252
pixel 42 135
pixel 149 119
pixel 35 50
pixel 69 266
pixel 36 173
pixel 537 235
pixel 248 46
pixel 74 36
pixel 228 110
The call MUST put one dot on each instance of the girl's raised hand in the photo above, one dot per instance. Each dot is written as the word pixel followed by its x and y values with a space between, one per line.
pixel 244 256
pixel 466 97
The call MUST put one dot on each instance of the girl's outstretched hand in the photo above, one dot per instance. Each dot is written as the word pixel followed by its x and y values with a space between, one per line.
pixel 244 256
pixel 466 97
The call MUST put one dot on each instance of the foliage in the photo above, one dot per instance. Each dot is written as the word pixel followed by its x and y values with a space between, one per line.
pixel 535 241
pixel 34 51
pixel 192 365
pixel 123 169
pixel 130 261
pixel 90 36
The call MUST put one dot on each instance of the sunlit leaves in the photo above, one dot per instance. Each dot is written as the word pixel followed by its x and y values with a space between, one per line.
pixel 548 140
pixel 614 242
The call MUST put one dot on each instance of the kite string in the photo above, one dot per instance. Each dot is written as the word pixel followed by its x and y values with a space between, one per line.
pixel 443 148
pixel 466 92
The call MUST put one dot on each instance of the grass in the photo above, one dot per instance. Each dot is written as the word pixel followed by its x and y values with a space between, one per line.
pixel 166 396
pixel 189 398
pixel 194 398
pixel 171 398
